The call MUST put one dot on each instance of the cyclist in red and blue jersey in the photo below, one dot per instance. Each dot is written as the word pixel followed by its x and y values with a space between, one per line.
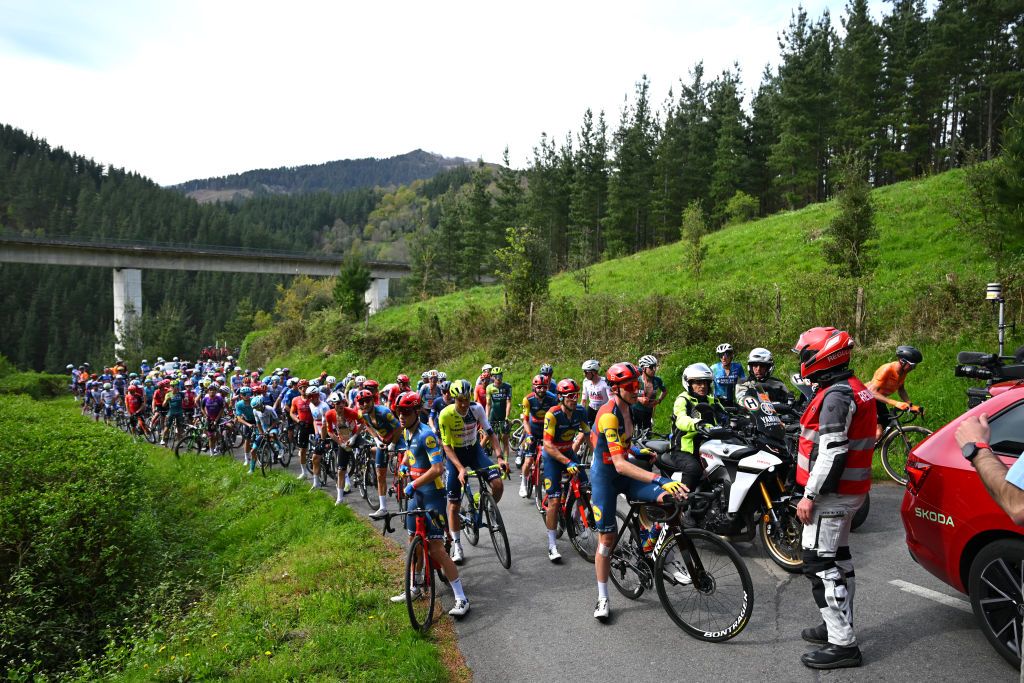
pixel 535 407
pixel 425 461
pixel 382 424
pixel 612 473
pixel 565 426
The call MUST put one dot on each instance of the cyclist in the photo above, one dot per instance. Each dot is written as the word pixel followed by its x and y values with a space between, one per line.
pixel 174 402
pixel 357 386
pixel 160 406
pixel 652 392
pixel 302 416
pixel 425 459
pixel 595 389
pixel 834 471
pixel 888 380
pixel 687 416
pixel 728 374
pixel 547 371
pixel 213 405
pixel 135 402
pixel 482 382
pixel 266 424
pixel 440 403
pixel 612 473
pixel 535 407
pixel 340 424
pixel 760 364
pixel 429 393
pixel 244 416
pixel 459 424
pixel 499 407
pixel 383 426
pixel 144 367
pixel 565 426
pixel 318 409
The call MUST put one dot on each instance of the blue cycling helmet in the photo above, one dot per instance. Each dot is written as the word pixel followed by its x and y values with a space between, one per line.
pixel 245 391
pixel 256 402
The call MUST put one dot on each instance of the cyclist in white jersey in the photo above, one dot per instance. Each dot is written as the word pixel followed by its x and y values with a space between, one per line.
pixel 595 389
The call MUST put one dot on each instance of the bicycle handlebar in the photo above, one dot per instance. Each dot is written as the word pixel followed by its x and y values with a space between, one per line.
pixel 388 529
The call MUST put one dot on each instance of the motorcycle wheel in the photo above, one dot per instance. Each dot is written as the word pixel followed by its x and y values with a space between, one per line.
pixel 783 541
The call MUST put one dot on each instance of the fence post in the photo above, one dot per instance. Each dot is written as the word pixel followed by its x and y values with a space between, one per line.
pixel 858 318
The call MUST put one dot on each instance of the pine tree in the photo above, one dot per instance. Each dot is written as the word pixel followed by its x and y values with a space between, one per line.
pixel 630 185
pixel 731 163
pixel 858 71
pixel 587 202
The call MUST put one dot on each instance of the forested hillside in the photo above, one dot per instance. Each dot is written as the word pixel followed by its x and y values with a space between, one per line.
pixel 333 176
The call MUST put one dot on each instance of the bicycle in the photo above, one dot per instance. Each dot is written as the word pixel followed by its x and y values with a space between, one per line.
pixel 480 510
pixel 575 515
pixel 364 472
pixel 421 572
pixel 898 439
pixel 268 452
pixel 701 581
pixel 195 439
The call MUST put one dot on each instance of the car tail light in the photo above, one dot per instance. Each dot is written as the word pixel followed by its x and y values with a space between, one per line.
pixel 917 471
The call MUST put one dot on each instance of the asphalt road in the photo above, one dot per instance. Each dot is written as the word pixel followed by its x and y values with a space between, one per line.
pixel 535 621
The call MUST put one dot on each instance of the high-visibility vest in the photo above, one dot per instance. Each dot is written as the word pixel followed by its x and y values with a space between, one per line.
pixel 856 474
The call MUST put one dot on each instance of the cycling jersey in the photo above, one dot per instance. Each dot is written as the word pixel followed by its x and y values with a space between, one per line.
pixel 423 452
pixel 381 419
pixel 436 407
pixel 301 410
pixel 266 418
pixel 213 406
pixel 109 396
pixel 429 394
pixel 888 379
pixel 561 427
pixel 459 430
pixel 499 396
pixel 134 403
pixel 158 398
pixel 725 383
pixel 596 393
pixel 317 412
pixel 244 411
pixel 536 407
pixel 482 383
pixel 173 402
pixel 649 388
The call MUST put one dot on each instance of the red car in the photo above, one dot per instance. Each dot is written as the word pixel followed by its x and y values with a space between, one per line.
pixel 958 533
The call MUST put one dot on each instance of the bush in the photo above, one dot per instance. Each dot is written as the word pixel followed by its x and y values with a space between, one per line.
pixel 38 385
pixel 6 366
pixel 77 537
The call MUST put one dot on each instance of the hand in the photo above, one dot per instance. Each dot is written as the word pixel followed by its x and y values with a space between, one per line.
pixel 462 475
pixel 404 469
pixel 676 488
pixel 410 490
pixel 917 409
pixel 805 510
pixel 572 467
pixel 973 429
pixel 902 405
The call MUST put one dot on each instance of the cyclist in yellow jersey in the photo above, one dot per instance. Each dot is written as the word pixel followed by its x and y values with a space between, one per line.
pixel 459 423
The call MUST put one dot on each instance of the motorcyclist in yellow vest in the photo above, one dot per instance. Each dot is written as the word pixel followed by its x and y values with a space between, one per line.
pixel 694 407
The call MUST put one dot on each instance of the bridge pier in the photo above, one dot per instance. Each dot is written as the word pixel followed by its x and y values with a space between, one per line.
pixel 127 300
pixel 377 294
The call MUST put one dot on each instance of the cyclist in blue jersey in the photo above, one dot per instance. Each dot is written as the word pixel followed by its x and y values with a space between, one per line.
pixel 727 374
pixel 535 407
pixel 383 426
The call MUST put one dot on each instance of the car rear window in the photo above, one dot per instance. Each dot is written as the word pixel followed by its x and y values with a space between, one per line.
pixel 1008 431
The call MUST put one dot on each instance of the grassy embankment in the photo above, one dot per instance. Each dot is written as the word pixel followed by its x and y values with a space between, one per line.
pixel 762 283
pixel 211 573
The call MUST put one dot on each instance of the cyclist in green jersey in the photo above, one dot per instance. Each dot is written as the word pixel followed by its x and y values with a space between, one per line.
pixel 499 406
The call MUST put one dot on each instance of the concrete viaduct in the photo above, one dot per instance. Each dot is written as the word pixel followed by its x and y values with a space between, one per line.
pixel 127 259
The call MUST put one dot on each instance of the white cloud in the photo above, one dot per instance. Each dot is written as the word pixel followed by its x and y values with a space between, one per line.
pixel 221 87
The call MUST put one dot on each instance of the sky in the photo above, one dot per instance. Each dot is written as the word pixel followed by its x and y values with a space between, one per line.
pixel 189 89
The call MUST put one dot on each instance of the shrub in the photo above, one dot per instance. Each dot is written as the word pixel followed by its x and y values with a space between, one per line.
pixel 38 385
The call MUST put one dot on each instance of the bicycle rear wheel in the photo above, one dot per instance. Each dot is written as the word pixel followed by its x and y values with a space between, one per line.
pixel 419 578
pixel 896 449
pixel 266 457
pixel 467 515
pixel 496 526
pixel 629 567
pixel 717 602
pixel 580 527
pixel 369 486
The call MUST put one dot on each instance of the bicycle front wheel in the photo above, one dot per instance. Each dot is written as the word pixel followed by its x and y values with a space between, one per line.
pixel 467 516
pixel 420 596
pixel 896 449
pixel 704 586
pixel 629 567
pixel 580 526
pixel 369 487
pixel 495 525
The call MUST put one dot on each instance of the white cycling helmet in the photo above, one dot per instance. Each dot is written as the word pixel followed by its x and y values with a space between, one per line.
pixel 695 372
pixel 70 366
pixel 485 367
pixel 762 357
pixel 424 375
pixel 334 397
pixel 648 361
pixel 107 385
pixel 331 379
pixel 292 381
pixel 442 376
pixel 314 383
pixel 432 373
pixel 591 366
pixel 310 390
pixel 724 348
pixel 360 379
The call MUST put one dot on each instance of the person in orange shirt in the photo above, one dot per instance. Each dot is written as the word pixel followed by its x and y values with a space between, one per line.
pixel 888 380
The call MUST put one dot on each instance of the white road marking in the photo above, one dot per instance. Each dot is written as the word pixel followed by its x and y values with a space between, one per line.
pixel 942 598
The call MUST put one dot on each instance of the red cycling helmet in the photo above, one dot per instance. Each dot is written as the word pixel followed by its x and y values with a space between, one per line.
pixel 259 389
pixel 364 395
pixel 823 349
pixel 302 384
pixel 621 374
pixel 371 385
pixel 408 400
pixel 164 383
pixel 540 381
pixel 403 379
pixel 568 387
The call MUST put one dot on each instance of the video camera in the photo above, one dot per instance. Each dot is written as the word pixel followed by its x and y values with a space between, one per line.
pixel 989 367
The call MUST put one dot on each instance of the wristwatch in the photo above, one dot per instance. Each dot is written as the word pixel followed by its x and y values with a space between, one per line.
pixel 971 448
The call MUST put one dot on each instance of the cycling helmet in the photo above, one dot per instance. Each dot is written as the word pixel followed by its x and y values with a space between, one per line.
pixel 360 379
pixel 546 369
pixel 540 381
pixel 760 356
pixel 424 375
pixel 331 379
pixel 229 358
pixel 292 381
pixel 909 355
pixel 648 361
pixel 408 400
pixel 591 366
pixel 135 389
pixel 497 371
pixel 148 380
pixel 133 375
pixel 89 366
pixel 724 348
pixel 312 391
pixel 285 370
pixel 695 373
pixel 442 376
pixel 432 374
pixel 622 373
pixel 260 388
pixel 364 395
pixel 334 397
pixel 403 379
pixel 372 385
pixel 70 367
pixel 445 386
pixel 144 361
pixel 568 387
pixel 136 383
pixel 824 352
pixel 107 385
pixel 256 403
pixel 164 383
pixel 460 389
pixel 159 359
pixel 302 384
pixel 175 359
pixel 245 391
pixel 484 368
pixel 119 376
pixel 314 382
